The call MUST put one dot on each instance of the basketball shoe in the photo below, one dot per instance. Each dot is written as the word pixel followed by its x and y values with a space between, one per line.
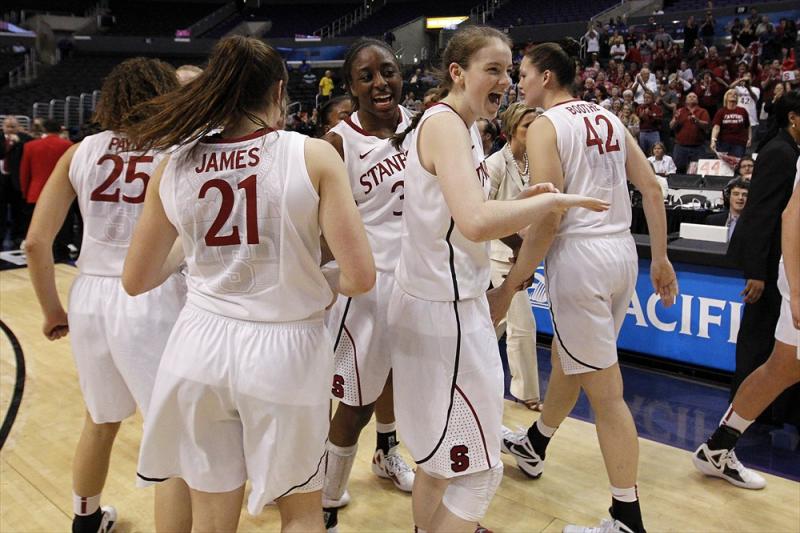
pixel 518 445
pixel 607 525
pixel 725 464
pixel 331 519
pixel 393 466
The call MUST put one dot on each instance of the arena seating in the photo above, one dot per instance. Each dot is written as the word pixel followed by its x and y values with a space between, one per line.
pixel 691 5
pixel 287 19
pixel 523 12
pixel 393 15
pixel 71 7
pixel 9 61
pixel 73 76
pixel 171 16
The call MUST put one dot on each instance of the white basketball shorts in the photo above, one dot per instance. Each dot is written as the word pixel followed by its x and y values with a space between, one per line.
pixel 785 331
pixel 590 282
pixel 448 383
pixel 363 353
pixel 237 400
pixel 117 341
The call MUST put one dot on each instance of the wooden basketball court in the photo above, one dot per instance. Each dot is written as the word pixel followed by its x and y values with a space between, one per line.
pixel 35 462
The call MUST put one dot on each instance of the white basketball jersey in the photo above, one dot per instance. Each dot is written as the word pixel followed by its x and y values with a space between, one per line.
pixel 376 177
pixel 247 213
pixel 110 182
pixel 436 261
pixel 591 145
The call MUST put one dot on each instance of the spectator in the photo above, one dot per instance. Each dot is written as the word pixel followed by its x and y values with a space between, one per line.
pixel 709 92
pixel 431 97
pixel 662 37
pixel 650 116
pixel 592 40
pixel 411 102
pixel 12 203
pixel 747 35
pixel 644 81
pixel 769 105
pixel 509 174
pixel 708 29
pixel 748 98
pixel 744 169
pixel 764 26
pixel 663 165
pixel 698 52
pixel 325 87
pixel 630 120
pixel 734 197
pixel 690 34
pixel 685 72
pixel 617 50
pixel 730 133
pixel 690 124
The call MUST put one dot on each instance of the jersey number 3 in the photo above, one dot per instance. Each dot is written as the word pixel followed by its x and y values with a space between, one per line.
pixel 593 139
pixel 213 238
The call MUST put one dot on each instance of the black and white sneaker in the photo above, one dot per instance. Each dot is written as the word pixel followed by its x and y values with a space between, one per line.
pixel 109 520
pixel 519 446
pixel 331 519
pixel 725 464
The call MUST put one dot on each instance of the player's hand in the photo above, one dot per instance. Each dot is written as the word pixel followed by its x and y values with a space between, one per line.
pixel 566 201
pixel 752 291
pixel 499 301
pixel 55 325
pixel 539 188
pixel 665 283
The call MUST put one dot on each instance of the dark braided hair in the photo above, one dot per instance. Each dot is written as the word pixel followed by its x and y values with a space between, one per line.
pixel 130 83
pixel 351 55
pixel 462 46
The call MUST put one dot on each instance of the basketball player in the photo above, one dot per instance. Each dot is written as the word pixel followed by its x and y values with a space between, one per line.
pixel 362 380
pixel 591 268
pixel 448 381
pixel 242 390
pixel 716 457
pixel 117 341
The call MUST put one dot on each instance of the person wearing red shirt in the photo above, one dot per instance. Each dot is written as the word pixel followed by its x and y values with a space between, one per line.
pixel 709 92
pixel 39 158
pixel 731 127
pixel 689 124
pixel 650 117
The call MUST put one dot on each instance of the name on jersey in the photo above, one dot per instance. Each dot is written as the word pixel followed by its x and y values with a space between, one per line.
pixel 582 108
pixel 120 144
pixel 228 160
pixel 382 170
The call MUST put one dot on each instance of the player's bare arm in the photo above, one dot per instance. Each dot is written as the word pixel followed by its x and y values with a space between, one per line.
pixel 339 219
pixel 641 174
pixel 154 253
pixel 48 217
pixel 443 138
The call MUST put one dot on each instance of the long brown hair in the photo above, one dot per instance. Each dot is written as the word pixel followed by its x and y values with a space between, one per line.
pixel 129 84
pixel 462 47
pixel 241 73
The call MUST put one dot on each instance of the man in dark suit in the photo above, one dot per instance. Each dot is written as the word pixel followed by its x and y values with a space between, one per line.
pixel 756 247
pixel 735 198
pixel 11 202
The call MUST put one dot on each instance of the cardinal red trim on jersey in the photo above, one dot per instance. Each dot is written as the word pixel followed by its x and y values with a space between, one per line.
pixel 365 133
pixel 250 136
pixel 451 109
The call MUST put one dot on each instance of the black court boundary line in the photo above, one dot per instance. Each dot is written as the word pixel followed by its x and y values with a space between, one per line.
pixel 19 385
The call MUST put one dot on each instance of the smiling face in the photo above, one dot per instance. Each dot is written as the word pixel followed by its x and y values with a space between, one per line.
pixel 375 82
pixel 738 199
pixel 486 78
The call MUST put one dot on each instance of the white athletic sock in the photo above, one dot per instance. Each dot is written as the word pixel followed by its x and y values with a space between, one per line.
pixel 544 429
pixel 733 420
pixel 340 462
pixel 385 428
pixel 85 505
pixel 629 495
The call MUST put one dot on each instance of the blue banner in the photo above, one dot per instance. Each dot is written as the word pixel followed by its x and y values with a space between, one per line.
pixel 700 329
